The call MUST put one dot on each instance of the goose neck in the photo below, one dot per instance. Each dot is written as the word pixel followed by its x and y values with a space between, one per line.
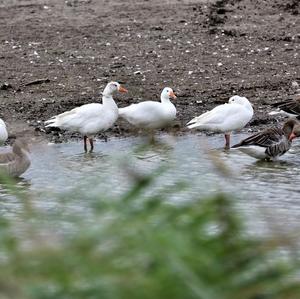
pixel 108 100
pixel 165 100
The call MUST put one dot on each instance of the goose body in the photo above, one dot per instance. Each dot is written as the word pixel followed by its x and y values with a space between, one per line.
pixel 17 161
pixel 225 118
pixel 270 143
pixel 86 119
pixel 90 119
pixel 150 114
pixel 3 132
pixel 291 106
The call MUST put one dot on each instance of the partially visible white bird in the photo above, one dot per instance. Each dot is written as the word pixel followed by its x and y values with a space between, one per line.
pixel 150 114
pixel 3 132
pixel 225 118
pixel 295 87
pixel 92 118
pixel 16 161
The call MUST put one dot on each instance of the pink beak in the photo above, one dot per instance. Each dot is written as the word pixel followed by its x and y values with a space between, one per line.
pixel 122 89
pixel 172 95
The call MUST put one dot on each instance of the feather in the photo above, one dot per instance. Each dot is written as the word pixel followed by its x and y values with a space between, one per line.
pixel 269 143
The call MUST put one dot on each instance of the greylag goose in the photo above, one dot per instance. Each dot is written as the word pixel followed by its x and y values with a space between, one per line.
pixel 270 143
pixel 225 118
pixel 291 106
pixel 150 114
pixel 17 161
pixel 3 132
pixel 91 118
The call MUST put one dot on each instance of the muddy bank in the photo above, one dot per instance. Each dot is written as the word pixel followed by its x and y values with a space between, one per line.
pixel 56 55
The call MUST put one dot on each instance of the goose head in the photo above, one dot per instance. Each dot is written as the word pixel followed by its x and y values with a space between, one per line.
pixel 241 101
pixel 291 129
pixel 295 86
pixel 238 100
pixel 167 93
pixel 295 133
pixel 111 87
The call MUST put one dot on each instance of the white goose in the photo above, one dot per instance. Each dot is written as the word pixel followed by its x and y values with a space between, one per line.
pixel 17 161
pixel 150 114
pixel 270 143
pixel 3 132
pixel 92 118
pixel 225 118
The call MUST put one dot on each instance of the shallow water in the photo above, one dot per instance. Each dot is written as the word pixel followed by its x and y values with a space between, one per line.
pixel 266 192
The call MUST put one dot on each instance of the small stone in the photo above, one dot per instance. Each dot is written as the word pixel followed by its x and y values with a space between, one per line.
pixel 5 86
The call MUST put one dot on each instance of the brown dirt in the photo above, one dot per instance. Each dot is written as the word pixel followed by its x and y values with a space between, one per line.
pixel 206 50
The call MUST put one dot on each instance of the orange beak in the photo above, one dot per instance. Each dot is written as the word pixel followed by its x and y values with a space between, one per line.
pixel 292 136
pixel 122 89
pixel 172 95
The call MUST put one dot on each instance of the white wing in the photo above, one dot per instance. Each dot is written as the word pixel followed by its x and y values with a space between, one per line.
pixel 75 117
pixel 86 119
pixel 148 114
pixel 223 118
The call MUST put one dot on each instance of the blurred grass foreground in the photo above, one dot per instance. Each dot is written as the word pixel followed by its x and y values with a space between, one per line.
pixel 141 246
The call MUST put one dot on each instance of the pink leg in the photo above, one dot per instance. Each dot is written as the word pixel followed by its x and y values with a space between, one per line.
pixel 92 144
pixel 227 139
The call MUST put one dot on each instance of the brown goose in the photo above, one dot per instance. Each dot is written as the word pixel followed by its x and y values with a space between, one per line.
pixel 291 106
pixel 270 143
pixel 17 161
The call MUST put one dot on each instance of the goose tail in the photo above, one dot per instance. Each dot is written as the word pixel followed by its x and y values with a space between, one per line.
pixel 52 122
pixel 275 112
